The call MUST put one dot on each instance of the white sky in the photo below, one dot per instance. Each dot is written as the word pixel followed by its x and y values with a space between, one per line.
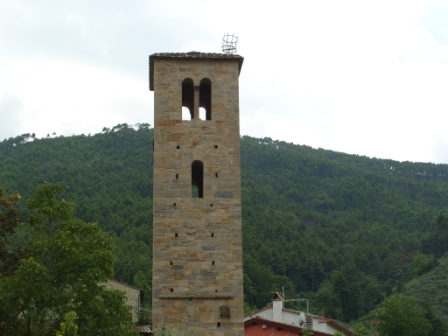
pixel 360 77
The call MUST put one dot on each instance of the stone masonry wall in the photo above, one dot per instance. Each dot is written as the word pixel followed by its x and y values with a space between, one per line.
pixel 197 241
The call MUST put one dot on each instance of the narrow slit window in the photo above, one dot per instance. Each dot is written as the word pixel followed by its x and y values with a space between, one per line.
pixel 177 176
pixel 197 179
pixel 205 97
pixel 187 99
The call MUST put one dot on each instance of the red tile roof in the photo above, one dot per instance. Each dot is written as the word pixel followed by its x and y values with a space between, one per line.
pixel 285 326
pixel 320 319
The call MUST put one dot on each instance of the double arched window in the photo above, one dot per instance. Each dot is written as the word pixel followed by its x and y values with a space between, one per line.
pixel 196 100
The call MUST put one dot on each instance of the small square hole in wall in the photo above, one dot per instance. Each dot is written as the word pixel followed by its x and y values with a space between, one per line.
pixel 177 147
pixel 213 234
pixel 211 205
pixel 213 262
pixel 216 291
pixel 171 289
pixel 177 176
pixel 174 204
pixel 218 324
pixel 216 146
pixel 171 262
pixel 176 235
pixel 216 174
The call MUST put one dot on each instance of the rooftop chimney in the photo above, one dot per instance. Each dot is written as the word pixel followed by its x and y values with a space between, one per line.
pixel 277 308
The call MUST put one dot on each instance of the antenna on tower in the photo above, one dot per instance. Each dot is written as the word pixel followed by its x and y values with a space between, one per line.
pixel 229 43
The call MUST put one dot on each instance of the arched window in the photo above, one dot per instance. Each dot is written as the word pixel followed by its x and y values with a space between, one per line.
pixel 187 98
pixel 197 179
pixel 205 97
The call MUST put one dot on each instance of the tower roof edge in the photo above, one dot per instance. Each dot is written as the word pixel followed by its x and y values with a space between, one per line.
pixel 192 55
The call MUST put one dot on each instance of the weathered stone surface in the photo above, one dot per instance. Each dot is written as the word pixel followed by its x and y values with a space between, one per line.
pixel 197 265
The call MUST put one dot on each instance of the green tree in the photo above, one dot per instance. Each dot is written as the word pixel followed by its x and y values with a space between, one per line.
pixel 68 327
pixel 402 315
pixel 440 238
pixel 9 256
pixel 438 326
pixel 307 332
pixel 361 330
pixel 66 262
pixel 9 221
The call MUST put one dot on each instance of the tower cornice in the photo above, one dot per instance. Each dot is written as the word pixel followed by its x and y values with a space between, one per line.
pixel 192 55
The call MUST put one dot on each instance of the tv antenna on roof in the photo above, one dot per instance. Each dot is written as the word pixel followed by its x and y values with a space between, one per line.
pixel 229 43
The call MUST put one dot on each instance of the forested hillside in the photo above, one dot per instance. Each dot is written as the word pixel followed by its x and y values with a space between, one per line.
pixel 341 230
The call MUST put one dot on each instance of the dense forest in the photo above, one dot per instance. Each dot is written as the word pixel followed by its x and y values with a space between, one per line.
pixel 343 231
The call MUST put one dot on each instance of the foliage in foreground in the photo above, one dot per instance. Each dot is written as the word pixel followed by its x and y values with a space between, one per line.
pixel 66 260
pixel 68 327
pixel 430 290
pixel 403 316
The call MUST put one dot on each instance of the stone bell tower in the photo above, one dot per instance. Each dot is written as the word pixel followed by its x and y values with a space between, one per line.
pixel 197 260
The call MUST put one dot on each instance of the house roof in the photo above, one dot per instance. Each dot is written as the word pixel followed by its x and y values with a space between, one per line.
pixel 192 55
pixel 269 306
pixel 255 312
pixel 285 326
pixel 320 319
pixel 334 324
pixel 125 284
pixel 142 293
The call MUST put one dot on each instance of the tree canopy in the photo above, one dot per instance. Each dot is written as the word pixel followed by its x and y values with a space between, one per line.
pixel 343 231
pixel 66 262
pixel 9 221
pixel 402 315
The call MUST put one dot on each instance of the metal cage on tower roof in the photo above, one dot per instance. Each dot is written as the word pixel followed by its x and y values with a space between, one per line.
pixel 229 43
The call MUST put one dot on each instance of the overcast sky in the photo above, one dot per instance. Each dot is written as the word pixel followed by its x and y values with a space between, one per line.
pixel 360 77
